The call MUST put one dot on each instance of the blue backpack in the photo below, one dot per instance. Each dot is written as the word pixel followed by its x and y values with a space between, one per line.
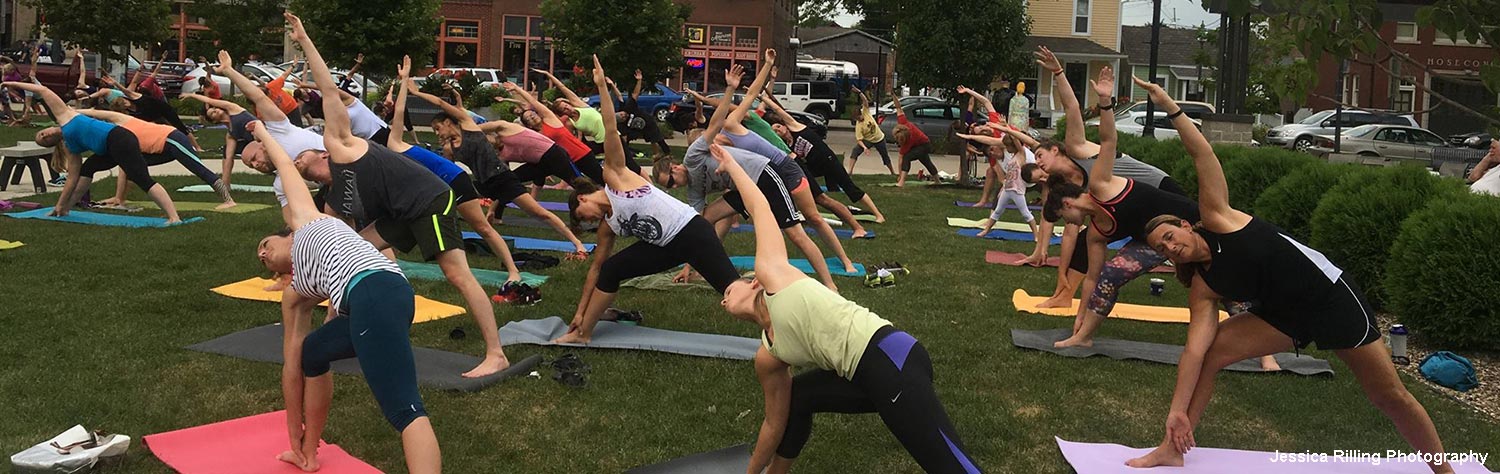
pixel 1450 370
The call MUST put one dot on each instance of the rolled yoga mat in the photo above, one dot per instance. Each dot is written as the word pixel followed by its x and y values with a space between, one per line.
pixel 8 245
pixel 730 460
pixel 1092 458
pixel 435 368
pixel 244 446
pixel 611 335
pixel 248 188
pixel 1155 314
pixel 1153 352
pixel 836 268
pixel 101 219
pixel 841 233
pixel 970 204
pixel 1000 225
pixel 254 289
pixel 527 243
pixel 433 272
pixel 858 217
pixel 1010 258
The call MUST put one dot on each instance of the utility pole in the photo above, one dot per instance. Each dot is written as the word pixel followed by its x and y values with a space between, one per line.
pixel 1150 128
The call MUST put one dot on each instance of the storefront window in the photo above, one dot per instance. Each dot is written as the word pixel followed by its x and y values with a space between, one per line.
pixel 536 27
pixel 515 25
pixel 716 68
pixel 747 37
pixel 513 58
pixel 458 43
pixel 721 36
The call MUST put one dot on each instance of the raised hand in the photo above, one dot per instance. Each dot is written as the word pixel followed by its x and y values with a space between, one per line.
pixel 734 75
pixel 226 63
pixel 1153 90
pixel 638 74
pixel 599 78
pixel 770 56
pixel 963 90
pixel 1046 59
pixel 360 58
pixel 298 33
pixel 1105 84
pixel 403 72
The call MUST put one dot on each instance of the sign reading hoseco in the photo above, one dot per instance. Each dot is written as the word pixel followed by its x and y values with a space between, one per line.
pixel 1463 63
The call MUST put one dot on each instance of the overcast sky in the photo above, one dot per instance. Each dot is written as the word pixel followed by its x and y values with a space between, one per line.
pixel 1137 12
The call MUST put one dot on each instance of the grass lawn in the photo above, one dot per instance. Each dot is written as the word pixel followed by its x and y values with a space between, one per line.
pixel 97 318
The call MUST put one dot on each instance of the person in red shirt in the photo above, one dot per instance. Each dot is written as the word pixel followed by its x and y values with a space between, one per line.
pixel 914 144
pixel 276 91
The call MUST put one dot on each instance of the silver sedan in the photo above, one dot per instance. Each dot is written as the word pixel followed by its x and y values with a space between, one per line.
pixel 1391 142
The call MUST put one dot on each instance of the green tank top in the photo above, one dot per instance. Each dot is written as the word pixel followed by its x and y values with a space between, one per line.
pixel 815 327
pixel 761 127
pixel 590 124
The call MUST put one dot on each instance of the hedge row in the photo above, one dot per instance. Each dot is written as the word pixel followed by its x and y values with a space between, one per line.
pixel 1421 246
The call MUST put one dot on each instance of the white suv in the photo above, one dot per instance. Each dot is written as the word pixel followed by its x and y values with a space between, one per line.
pixel 487 76
pixel 820 98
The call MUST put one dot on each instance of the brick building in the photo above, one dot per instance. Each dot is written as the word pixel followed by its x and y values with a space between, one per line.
pixel 508 35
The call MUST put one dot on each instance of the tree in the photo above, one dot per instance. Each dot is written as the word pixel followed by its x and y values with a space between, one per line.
pixel 947 43
pixel 99 28
pixel 242 27
pixel 815 13
pixel 1280 79
pixel 384 30
pixel 626 34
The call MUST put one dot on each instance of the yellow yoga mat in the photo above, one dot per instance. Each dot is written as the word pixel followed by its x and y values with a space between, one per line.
pixel 1156 314
pixel 194 206
pixel 1001 225
pixel 7 245
pixel 254 290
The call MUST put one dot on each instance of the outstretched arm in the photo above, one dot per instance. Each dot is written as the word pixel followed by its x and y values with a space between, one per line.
pixel 1213 190
pixel 768 65
pixel 83 70
pixel 732 79
pixel 60 109
pixel 299 208
pixel 465 122
pixel 335 115
pixel 394 141
pixel 616 174
pixel 1203 326
pixel 536 105
pixel 639 79
pixel 985 139
pixel 1104 167
pixel 787 120
pixel 228 106
pixel 106 115
pixel 1017 134
pixel 776 385
pixel 772 269
pixel 976 96
pixel 563 88
pixel 264 107
pixel 1064 94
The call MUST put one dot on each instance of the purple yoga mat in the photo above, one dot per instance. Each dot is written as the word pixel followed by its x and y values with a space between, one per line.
pixel 1091 458
pixel 548 205
pixel 971 204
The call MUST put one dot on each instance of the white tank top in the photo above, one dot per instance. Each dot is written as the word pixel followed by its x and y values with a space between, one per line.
pixel 647 213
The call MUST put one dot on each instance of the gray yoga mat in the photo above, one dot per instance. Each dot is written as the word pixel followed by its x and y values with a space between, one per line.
pixel 435 368
pixel 612 335
pixel 730 460
pixel 1149 351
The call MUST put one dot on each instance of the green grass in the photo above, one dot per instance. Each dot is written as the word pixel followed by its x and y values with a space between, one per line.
pixel 97 318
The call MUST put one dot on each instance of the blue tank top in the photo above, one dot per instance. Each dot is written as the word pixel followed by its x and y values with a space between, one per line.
pixel 434 162
pixel 84 133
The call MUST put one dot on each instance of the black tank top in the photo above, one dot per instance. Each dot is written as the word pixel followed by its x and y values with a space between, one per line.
pixel 1137 205
pixel 383 184
pixel 1262 264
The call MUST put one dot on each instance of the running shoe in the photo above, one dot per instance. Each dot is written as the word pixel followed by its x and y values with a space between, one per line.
pixel 59 181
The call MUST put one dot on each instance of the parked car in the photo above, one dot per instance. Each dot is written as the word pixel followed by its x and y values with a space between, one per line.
pixel 487 76
pixel 361 83
pixel 1479 140
pixel 932 118
pixel 890 107
pixel 816 97
pixel 1301 135
pixel 680 114
pixel 62 77
pixel 1194 110
pixel 1134 123
pixel 657 98
pixel 1394 142
pixel 190 80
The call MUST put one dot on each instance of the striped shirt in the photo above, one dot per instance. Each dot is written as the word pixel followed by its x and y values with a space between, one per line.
pixel 326 256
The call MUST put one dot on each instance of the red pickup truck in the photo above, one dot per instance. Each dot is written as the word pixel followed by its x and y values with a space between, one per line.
pixel 62 77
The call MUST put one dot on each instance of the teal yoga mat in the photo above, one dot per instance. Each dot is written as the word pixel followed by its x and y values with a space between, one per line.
pixel 429 271
pixel 834 267
pixel 95 218
pixel 249 188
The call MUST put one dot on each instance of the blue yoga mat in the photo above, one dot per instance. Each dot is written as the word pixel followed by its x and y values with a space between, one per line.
pixel 428 271
pixel 835 267
pixel 998 234
pixel 249 188
pixel 971 204
pixel 95 218
pixel 548 205
pixel 841 233
pixel 527 243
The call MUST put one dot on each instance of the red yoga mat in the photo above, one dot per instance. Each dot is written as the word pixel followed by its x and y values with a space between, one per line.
pixel 244 446
pixel 1010 258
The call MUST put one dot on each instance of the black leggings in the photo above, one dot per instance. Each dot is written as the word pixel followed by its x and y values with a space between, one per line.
pixel 894 379
pixel 919 153
pixel 885 155
pixel 374 328
pixel 554 162
pixel 589 167
pixel 124 152
pixel 696 244
pixel 152 109
pixel 834 174
pixel 179 149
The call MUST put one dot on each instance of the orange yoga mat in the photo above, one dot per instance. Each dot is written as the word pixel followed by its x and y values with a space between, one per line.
pixel 254 289
pixel 244 446
pixel 1156 314
pixel 1010 258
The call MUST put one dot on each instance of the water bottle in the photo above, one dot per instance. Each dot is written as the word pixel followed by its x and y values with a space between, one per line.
pixel 1398 344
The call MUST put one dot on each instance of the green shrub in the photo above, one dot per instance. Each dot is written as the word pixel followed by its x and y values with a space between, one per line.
pixel 1442 272
pixel 1290 201
pixel 189 108
pixel 1254 170
pixel 1356 221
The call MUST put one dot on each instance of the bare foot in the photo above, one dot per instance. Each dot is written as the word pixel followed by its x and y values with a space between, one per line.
pixel 982 233
pixel 174 221
pixel 1073 342
pixel 1269 364
pixel 306 465
pixel 860 234
pixel 572 337
pixel 832 286
pixel 492 363
pixel 1161 456
pixel 1056 301
pixel 879 219
pixel 980 204
pixel 226 205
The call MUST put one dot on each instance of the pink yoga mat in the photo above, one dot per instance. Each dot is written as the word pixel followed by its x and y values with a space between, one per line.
pixel 243 446
pixel 1091 458
pixel 1010 258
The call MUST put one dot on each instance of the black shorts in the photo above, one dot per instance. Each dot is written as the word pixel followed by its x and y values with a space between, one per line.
pixel 1080 261
pixel 463 188
pixel 503 188
pixel 779 195
pixel 554 162
pixel 435 232
pixel 1341 319
pixel 382 136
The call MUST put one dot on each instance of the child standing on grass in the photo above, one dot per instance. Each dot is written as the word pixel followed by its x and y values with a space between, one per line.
pixel 1013 190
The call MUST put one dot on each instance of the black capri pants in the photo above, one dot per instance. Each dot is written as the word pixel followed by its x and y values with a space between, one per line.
pixel 179 149
pixel 125 152
pixel 554 162
pixel 920 153
pixel 834 174
pixel 894 379
pixel 696 244
pixel 373 328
